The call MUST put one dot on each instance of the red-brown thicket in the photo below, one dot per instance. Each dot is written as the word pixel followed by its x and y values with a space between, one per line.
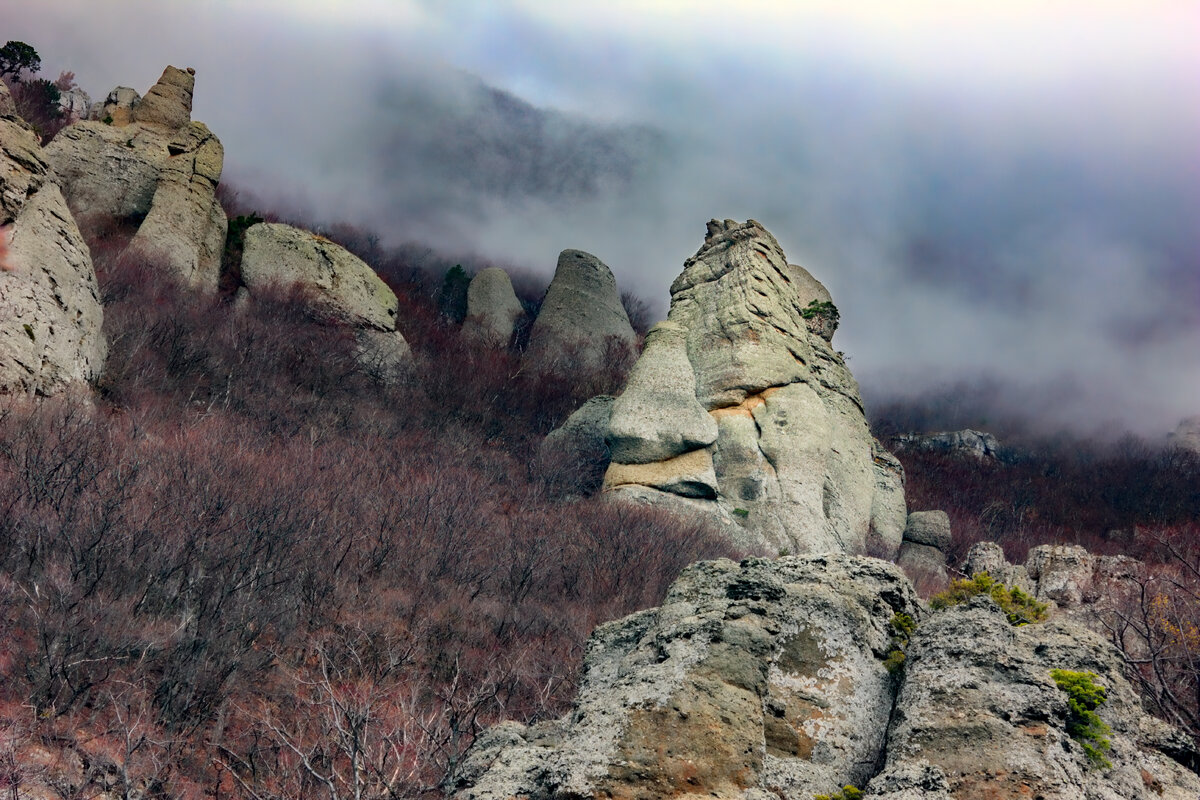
pixel 246 569
pixel 1073 492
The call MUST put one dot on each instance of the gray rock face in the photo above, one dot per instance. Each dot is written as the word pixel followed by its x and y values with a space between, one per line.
pixel 930 528
pixel 764 675
pixel 979 716
pixel 118 107
pixel 186 226
pixel 767 679
pixel 75 104
pixel 1082 586
pixel 7 107
pixel 581 318
pixel 492 309
pixel 966 442
pixel 150 163
pixel 577 446
pixel 334 281
pixel 168 104
pixel 662 383
pixel 921 560
pixel 795 466
pixel 1187 435
pixel 50 313
pixel 989 557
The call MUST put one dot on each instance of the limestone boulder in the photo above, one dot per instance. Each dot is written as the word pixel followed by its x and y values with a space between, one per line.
pixel 661 385
pixel 989 557
pixel 921 561
pixel 74 104
pixel 575 453
pixel 763 676
pixel 338 282
pixel 50 312
pixel 109 171
pixel 146 163
pixel 493 309
pixel 117 108
pixel 976 444
pixel 24 164
pixel 979 715
pixel 582 322
pixel 795 464
pixel 168 103
pixel 8 108
pixel 1062 573
pixel 889 509
pixel 333 282
pixel 931 528
pixel 185 227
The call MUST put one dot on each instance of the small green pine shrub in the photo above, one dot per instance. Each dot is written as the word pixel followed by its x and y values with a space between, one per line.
pixel 821 308
pixel 1084 725
pixel 741 512
pixel 903 627
pixel 848 792
pixel 1020 607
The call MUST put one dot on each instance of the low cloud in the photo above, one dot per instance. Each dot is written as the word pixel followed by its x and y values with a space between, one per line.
pixel 1005 195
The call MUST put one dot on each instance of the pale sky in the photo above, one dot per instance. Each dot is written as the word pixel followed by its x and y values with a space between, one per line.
pixel 1005 190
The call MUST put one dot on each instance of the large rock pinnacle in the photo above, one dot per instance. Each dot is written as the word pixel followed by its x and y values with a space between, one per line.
pixel 742 377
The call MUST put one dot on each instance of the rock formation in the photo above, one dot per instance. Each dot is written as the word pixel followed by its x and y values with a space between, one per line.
pixel 965 442
pixel 492 309
pixel 75 104
pixel 770 679
pixel 980 716
pixel 1187 435
pixel 50 313
pixel 740 409
pixel 335 282
pixel 146 162
pixel 760 676
pixel 582 322
pixel 927 539
pixel 575 452
pixel 1082 586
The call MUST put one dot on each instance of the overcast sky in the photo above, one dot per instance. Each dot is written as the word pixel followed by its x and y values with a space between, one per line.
pixel 1008 193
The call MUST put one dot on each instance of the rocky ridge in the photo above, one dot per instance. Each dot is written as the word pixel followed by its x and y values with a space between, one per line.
pixel 740 409
pixel 770 679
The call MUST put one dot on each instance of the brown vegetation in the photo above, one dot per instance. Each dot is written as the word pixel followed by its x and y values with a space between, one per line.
pixel 245 569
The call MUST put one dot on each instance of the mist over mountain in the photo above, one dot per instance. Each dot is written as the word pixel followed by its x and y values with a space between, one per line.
pixel 1006 196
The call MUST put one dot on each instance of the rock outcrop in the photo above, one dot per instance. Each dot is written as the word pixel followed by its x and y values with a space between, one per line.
pixel 50 313
pixel 979 716
pixel 335 283
pixel 927 539
pixel 147 163
pixel 770 679
pixel 582 322
pixel 965 442
pixel 740 409
pixel 754 677
pixel 575 453
pixel 1186 436
pixel 493 309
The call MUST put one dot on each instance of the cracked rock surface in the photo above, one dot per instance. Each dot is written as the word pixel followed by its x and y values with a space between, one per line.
pixel 767 679
pixel 742 375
